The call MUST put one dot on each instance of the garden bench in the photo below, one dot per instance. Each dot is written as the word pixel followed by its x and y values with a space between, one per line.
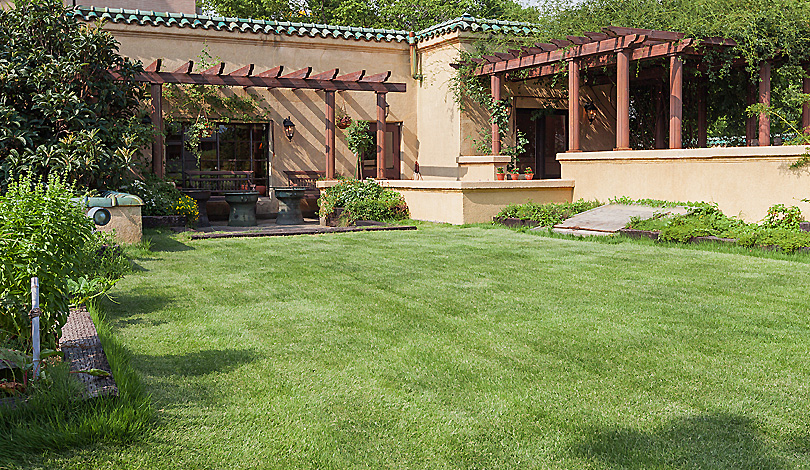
pixel 219 182
pixel 306 179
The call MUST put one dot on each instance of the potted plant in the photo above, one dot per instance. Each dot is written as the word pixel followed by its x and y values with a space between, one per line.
pixel 529 173
pixel 514 173
pixel 342 120
pixel 500 173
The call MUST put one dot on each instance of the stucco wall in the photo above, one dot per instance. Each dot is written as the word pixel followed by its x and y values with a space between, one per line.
pixel 743 181
pixel 306 108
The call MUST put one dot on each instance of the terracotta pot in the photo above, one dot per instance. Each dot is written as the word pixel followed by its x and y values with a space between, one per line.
pixel 262 190
pixel 529 176
pixel 500 176
pixel 514 176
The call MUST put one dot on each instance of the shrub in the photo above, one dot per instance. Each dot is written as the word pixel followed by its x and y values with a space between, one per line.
pixel 46 235
pixel 548 214
pixel 162 198
pixel 363 200
pixel 780 216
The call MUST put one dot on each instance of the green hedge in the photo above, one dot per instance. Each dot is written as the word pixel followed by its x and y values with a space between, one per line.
pixel 363 200
pixel 548 214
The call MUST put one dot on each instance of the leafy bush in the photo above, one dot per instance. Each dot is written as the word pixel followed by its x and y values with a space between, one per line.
pixel 44 234
pixel 780 216
pixel 162 198
pixel 548 214
pixel 363 200
pixel 62 112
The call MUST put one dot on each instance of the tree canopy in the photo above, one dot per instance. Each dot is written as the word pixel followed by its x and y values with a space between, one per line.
pixel 60 110
pixel 411 15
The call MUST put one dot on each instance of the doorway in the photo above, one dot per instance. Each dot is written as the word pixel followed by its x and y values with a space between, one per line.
pixel 393 140
pixel 547 133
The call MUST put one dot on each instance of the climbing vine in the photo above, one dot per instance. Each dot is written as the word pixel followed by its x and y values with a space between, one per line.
pixel 203 106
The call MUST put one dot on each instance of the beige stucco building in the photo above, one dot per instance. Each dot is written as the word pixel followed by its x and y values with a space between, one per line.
pixel 426 129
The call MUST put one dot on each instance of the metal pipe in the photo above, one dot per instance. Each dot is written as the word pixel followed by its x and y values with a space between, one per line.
pixel 35 323
pixel 414 63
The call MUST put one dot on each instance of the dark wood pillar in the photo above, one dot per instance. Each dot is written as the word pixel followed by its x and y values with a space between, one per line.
pixel 750 121
pixel 623 100
pixel 660 118
pixel 330 135
pixel 675 102
pixel 380 136
pixel 573 106
pixel 765 98
pixel 157 123
pixel 495 89
pixel 806 105
pixel 702 118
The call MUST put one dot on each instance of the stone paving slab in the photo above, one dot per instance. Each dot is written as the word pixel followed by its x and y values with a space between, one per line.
pixel 611 218
pixel 82 349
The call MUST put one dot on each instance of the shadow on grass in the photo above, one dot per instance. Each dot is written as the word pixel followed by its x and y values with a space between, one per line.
pixel 164 241
pixel 716 441
pixel 120 306
pixel 197 363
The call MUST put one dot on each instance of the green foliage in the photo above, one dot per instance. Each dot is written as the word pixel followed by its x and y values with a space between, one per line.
pixel 388 14
pixel 548 214
pixel 358 138
pixel 60 110
pixel 161 197
pixel 363 200
pixel 780 227
pixel 46 235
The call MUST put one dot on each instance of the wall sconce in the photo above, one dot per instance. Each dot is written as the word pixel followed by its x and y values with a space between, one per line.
pixel 590 111
pixel 289 128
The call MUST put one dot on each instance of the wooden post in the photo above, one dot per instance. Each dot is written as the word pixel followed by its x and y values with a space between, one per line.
pixel 660 118
pixel 623 100
pixel 380 136
pixel 573 106
pixel 675 102
pixel 750 121
pixel 330 135
pixel 765 98
pixel 806 104
pixel 495 89
pixel 157 124
pixel 702 119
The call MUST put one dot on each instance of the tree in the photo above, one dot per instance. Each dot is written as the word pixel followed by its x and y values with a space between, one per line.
pixel 60 109
pixel 412 15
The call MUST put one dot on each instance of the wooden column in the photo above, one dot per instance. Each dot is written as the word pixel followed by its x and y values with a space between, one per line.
pixel 573 106
pixel 495 89
pixel 380 136
pixel 660 118
pixel 675 102
pixel 157 124
pixel 765 98
pixel 750 121
pixel 806 105
pixel 330 135
pixel 702 118
pixel 623 100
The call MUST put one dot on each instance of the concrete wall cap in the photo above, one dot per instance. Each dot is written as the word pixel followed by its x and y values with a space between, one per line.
pixel 685 154
pixel 483 159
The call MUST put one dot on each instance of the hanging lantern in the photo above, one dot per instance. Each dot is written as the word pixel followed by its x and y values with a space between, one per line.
pixel 289 128
pixel 590 111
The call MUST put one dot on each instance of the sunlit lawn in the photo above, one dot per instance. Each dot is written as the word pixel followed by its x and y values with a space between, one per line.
pixel 461 348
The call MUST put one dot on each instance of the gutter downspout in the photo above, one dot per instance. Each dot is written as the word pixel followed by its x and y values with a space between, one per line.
pixel 414 62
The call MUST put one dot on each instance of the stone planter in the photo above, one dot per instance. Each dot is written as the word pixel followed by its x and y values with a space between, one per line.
pixel 155 221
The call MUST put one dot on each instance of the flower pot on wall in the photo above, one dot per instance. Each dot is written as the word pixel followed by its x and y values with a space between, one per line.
pixel 514 176
pixel 500 176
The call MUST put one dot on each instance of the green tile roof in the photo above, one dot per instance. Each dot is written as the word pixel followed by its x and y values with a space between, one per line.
pixel 218 23
pixel 481 25
pixel 185 20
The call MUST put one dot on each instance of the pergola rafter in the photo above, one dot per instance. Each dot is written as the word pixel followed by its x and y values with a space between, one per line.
pixel 328 81
pixel 615 46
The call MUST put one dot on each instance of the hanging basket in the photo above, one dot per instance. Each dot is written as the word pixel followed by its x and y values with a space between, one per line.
pixel 343 122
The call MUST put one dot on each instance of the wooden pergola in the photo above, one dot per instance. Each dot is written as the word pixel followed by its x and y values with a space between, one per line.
pixel 303 79
pixel 620 46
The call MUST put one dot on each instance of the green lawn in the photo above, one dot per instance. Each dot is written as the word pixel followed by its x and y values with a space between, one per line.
pixel 461 348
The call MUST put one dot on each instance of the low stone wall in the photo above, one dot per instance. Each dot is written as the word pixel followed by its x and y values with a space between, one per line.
pixel 743 181
pixel 466 202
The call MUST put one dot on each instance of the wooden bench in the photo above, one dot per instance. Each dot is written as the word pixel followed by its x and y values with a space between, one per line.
pixel 219 182
pixel 306 179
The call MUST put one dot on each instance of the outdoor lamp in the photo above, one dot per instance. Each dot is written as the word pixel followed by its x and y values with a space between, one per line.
pixel 289 128
pixel 100 215
pixel 590 111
